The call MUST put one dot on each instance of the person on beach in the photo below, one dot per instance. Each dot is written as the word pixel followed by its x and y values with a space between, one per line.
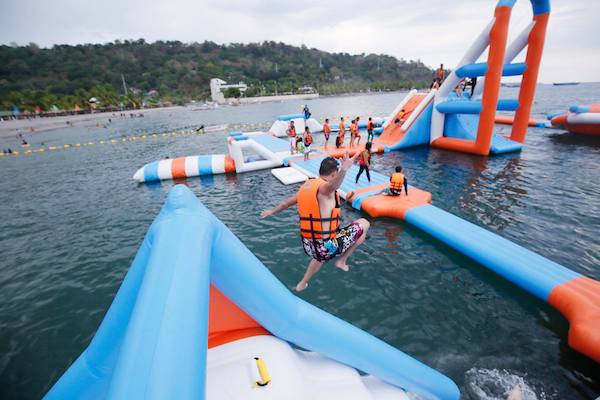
pixel 326 131
pixel 307 141
pixel 370 128
pixel 291 132
pixel 319 210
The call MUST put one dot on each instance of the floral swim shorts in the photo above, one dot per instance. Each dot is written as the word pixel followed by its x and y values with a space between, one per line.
pixel 321 251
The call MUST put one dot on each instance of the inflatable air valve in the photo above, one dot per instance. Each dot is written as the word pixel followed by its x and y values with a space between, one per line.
pixel 264 377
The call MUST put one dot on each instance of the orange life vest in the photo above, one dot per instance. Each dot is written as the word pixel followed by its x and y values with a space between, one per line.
pixel 370 125
pixel 342 128
pixel 365 157
pixel 308 140
pixel 397 181
pixel 292 132
pixel 326 128
pixel 311 221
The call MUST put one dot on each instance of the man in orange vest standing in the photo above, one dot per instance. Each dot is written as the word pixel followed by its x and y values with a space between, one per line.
pixel 319 210
pixel 440 73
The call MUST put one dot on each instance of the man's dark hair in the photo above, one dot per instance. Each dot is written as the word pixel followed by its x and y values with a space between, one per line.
pixel 399 168
pixel 328 166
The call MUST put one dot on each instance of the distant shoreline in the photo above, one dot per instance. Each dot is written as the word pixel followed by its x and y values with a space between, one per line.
pixel 35 125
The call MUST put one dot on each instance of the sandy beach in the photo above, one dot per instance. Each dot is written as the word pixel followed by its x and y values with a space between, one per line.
pixel 9 128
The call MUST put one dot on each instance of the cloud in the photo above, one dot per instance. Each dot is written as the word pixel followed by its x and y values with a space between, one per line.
pixel 434 31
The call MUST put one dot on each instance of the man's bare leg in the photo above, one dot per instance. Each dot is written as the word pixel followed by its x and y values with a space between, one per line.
pixel 313 267
pixel 341 262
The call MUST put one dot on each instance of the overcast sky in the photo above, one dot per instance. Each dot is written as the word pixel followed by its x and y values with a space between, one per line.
pixel 433 31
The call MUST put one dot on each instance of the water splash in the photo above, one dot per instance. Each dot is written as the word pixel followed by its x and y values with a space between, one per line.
pixel 495 384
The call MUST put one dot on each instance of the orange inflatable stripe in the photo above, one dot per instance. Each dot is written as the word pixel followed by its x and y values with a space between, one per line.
pixel 178 168
pixel 535 48
pixel 559 120
pixel 508 120
pixel 579 301
pixel 395 206
pixel 584 129
pixel 595 108
pixel 356 192
pixel 227 322
pixel 491 91
pixel 229 165
pixel 340 152
pixel 462 145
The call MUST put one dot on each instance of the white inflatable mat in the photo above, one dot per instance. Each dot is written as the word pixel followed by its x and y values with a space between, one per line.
pixel 288 175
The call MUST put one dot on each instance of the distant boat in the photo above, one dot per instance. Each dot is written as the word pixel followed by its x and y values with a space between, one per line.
pixel 565 83
pixel 515 84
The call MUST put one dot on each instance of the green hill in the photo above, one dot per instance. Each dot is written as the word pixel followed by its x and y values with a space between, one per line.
pixel 64 75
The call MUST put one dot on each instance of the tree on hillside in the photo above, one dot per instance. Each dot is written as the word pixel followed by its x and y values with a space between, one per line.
pixel 232 92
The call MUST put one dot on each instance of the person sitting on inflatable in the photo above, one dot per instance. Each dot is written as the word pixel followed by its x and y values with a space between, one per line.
pixel 397 181
pixel 319 210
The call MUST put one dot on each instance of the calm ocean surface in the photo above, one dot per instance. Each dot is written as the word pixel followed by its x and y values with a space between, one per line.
pixel 72 220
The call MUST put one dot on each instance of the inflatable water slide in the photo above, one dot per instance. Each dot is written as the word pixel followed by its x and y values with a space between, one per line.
pixel 467 124
pixel 199 316
pixel 576 296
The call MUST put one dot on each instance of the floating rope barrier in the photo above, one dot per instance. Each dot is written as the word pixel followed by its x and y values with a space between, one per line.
pixel 115 141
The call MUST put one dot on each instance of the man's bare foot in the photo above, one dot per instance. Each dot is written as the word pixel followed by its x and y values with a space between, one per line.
pixel 300 287
pixel 341 264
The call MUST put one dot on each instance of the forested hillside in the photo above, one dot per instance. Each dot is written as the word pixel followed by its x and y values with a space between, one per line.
pixel 177 72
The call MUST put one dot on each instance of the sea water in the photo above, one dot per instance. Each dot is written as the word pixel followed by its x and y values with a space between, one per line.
pixel 72 221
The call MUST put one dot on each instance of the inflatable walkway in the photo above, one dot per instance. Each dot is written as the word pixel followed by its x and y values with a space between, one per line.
pixel 577 297
pixel 161 340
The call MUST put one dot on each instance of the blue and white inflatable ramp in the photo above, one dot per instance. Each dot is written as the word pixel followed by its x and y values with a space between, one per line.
pixel 155 339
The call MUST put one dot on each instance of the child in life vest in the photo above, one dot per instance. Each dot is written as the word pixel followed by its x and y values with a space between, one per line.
pixel 397 182
pixel 364 162
pixel 291 132
pixel 307 141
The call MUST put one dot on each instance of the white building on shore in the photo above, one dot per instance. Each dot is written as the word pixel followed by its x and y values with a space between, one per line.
pixel 218 85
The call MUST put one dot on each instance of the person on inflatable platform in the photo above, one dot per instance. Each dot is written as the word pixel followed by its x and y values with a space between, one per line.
pixel 397 182
pixel 339 142
pixel 306 112
pixel 370 128
pixel 307 141
pixel 291 132
pixel 326 131
pixel 319 210
pixel 439 74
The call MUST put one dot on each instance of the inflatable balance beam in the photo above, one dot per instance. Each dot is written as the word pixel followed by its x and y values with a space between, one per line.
pixel 577 297
pixel 152 342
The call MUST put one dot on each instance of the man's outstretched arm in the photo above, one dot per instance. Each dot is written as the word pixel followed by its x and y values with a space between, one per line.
pixel 290 201
pixel 335 183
